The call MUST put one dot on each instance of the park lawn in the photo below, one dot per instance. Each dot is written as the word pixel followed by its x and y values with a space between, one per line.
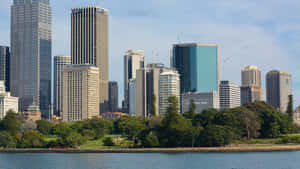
pixel 50 138
pixel 120 142
pixel 257 141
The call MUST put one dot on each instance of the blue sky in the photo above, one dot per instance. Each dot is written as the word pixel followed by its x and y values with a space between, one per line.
pixel 260 32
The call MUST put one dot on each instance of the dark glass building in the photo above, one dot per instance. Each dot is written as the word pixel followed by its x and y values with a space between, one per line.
pixel 5 66
pixel 198 66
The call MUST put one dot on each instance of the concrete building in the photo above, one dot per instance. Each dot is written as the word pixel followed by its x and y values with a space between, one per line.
pixel 279 87
pixel 141 93
pixel 89 45
pixel 7 102
pixel 80 92
pixel 133 60
pixel 230 95
pixel 250 94
pixel 198 66
pixel 147 85
pixel 251 85
pixel 169 85
pixel 5 66
pixel 132 97
pixel 113 94
pixel 203 101
pixel 60 62
pixel 31 43
pixel 251 76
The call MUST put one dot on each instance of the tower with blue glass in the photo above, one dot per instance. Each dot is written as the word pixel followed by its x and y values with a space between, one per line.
pixel 198 66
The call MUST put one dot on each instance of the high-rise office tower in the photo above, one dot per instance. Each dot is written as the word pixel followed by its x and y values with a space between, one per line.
pixel 230 95
pixel 132 97
pixel 198 66
pixel 60 62
pixel 89 44
pixel 169 85
pixel 80 92
pixel 251 76
pixel 147 89
pixel 133 60
pixel 251 85
pixel 279 87
pixel 5 66
pixel 113 96
pixel 31 53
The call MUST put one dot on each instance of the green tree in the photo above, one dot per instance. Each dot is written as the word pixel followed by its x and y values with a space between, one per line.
pixel 191 113
pixel 7 141
pixel 62 129
pixel 216 135
pixel 44 126
pixel 290 109
pixel 151 140
pixel 74 140
pixel 10 123
pixel 32 139
pixel 107 141
pixel 250 122
pixel 153 106
pixel 205 118
pixel 130 126
pixel 27 126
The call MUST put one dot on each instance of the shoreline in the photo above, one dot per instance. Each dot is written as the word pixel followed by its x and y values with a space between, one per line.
pixel 163 150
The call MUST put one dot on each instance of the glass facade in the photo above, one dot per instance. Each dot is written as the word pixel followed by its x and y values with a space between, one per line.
pixel 198 67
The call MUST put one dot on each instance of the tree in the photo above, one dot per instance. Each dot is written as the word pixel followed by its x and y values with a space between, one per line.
pixel 251 123
pixel 32 139
pixel 44 126
pixel 205 118
pixel 107 141
pixel 191 113
pixel 172 109
pixel 195 133
pixel 130 126
pixel 74 140
pixel 151 140
pixel 216 135
pixel 290 109
pixel 153 106
pixel 62 129
pixel 10 123
pixel 28 126
pixel 7 141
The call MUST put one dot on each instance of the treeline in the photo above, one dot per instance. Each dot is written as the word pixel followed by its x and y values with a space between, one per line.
pixel 192 129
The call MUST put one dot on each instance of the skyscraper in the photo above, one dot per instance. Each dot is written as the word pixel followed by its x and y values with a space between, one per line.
pixel 230 95
pixel 133 60
pixel 198 66
pixel 147 89
pixel 251 76
pixel 80 92
pixel 31 53
pixel 251 85
pixel 89 44
pixel 5 66
pixel 169 85
pixel 113 96
pixel 279 87
pixel 60 62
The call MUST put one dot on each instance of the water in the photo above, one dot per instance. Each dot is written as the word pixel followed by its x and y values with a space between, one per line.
pixel 276 160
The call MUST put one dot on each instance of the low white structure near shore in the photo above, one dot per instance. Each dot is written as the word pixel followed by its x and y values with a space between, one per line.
pixel 7 102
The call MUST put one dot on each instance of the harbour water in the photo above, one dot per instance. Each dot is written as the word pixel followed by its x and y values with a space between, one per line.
pixel 268 160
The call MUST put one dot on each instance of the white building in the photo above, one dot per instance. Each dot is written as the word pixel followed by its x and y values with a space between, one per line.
pixel 7 102
pixel 230 95
pixel 207 100
pixel 132 97
pixel 169 85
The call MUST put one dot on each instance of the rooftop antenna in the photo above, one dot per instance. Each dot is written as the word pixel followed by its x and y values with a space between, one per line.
pixel 225 61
